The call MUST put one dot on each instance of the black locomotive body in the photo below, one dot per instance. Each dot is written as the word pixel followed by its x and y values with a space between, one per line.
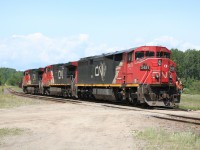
pixel 97 76
pixel 99 69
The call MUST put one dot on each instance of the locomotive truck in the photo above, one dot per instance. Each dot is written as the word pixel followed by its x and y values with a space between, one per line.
pixel 142 75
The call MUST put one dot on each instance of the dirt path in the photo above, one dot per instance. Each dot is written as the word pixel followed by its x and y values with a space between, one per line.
pixel 81 126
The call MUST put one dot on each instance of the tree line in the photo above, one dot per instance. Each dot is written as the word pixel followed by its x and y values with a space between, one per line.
pixel 10 76
pixel 188 68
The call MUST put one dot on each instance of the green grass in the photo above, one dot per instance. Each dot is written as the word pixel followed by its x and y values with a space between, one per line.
pixel 9 101
pixel 1 89
pixel 16 88
pixel 10 132
pixel 190 102
pixel 161 139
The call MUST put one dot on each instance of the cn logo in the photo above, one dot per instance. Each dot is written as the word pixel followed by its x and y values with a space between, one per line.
pixel 100 70
pixel 164 74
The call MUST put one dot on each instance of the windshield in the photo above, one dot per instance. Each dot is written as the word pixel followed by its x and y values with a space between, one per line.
pixel 149 54
pixel 163 55
pixel 142 54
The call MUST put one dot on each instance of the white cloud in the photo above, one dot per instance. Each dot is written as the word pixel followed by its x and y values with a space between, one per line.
pixel 34 36
pixel 37 50
pixel 171 42
pixel 93 49
pixel 167 41
pixel 138 41
pixel 83 37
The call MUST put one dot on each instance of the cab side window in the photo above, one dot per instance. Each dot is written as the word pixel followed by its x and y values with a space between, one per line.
pixel 139 55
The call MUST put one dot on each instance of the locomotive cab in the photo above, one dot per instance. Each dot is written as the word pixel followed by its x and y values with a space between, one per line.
pixel 155 74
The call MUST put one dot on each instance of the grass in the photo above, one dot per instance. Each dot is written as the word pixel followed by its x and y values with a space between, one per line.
pixel 191 102
pixel 16 88
pixel 5 132
pixel 9 101
pixel 163 140
pixel 10 132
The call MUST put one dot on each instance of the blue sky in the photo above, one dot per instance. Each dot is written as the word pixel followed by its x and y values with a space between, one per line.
pixel 37 33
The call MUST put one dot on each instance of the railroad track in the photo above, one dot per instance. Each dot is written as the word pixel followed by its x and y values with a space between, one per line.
pixel 166 116
pixel 158 115
pixel 48 98
pixel 181 119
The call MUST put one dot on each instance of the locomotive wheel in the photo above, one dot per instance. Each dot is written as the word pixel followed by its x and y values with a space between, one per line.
pixel 32 92
pixel 25 90
pixel 85 96
pixel 47 91
pixel 65 95
pixel 132 100
pixel 166 102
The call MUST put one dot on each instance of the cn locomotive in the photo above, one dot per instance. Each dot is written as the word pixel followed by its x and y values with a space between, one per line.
pixel 142 75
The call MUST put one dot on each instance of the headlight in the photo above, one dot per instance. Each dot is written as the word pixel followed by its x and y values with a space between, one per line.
pixel 172 68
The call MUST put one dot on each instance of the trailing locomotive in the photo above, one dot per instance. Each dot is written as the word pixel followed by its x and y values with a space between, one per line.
pixel 32 80
pixel 143 75
pixel 58 79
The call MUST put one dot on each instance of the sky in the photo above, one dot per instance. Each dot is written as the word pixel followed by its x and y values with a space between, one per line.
pixel 37 33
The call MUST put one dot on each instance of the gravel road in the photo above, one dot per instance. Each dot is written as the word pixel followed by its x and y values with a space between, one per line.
pixel 84 126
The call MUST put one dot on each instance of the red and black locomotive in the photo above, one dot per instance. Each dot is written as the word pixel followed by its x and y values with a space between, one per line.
pixel 142 75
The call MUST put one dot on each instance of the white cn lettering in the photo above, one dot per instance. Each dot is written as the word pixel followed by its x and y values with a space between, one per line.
pixel 100 70
pixel 96 71
pixel 164 75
